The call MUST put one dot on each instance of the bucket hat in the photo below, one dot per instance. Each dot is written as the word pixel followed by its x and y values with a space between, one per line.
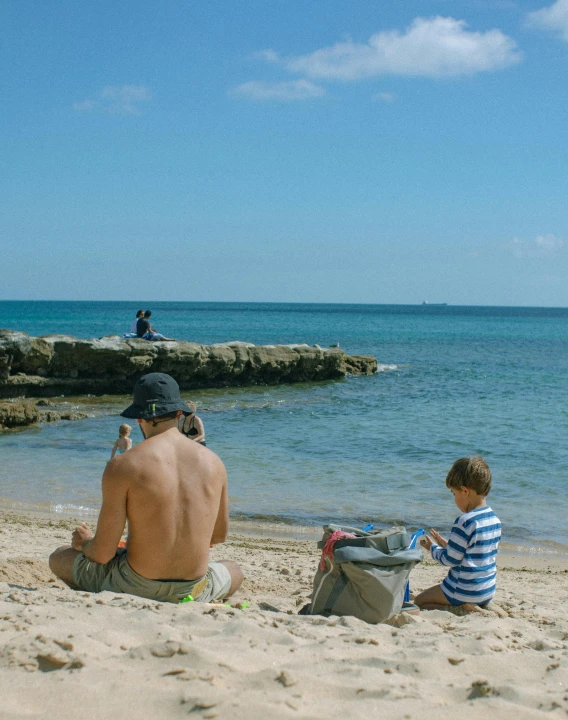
pixel 155 394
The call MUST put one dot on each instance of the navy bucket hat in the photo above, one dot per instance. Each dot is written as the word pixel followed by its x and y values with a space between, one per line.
pixel 155 394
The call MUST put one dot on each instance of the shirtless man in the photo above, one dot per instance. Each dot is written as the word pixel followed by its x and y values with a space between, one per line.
pixel 173 493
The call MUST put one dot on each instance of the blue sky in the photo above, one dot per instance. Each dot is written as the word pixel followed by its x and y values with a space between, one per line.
pixel 378 151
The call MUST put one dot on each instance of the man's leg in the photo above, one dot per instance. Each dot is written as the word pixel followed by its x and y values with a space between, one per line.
pixel 237 575
pixel 61 564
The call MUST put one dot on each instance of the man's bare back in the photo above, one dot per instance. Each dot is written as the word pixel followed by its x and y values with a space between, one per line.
pixel 176 505
pixel 173 493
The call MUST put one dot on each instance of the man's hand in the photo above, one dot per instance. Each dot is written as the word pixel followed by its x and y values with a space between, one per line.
pixel 438 539
pixel 80 536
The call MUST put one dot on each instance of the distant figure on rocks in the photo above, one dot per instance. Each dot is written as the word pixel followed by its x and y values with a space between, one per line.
pixel 124 442
pixel 192 426
pixel 145 330
pixel 133 333
pixel 139 315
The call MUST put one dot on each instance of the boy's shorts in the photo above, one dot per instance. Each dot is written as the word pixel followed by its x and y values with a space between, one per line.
pixel 117 576
pixel 457 603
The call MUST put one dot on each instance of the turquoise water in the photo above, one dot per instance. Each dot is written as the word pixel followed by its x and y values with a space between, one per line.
pixel 455 381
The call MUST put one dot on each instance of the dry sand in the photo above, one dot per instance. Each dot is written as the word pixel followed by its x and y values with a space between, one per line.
pixel 67 654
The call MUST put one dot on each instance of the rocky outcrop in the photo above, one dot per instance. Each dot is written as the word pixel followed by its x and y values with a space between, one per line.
pixel 62 365
pixel 17 414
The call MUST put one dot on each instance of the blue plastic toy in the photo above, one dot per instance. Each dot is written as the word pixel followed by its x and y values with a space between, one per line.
pixel 413 540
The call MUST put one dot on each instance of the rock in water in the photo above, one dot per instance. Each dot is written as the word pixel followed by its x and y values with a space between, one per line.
pixel 54 365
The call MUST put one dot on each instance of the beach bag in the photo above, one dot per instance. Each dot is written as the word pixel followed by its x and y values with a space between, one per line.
pixel 364 576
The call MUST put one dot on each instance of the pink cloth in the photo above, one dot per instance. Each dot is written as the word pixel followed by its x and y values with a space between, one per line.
pixel 327 551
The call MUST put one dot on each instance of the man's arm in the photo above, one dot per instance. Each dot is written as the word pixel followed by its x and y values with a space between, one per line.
pixel 112 518
pixel 222 522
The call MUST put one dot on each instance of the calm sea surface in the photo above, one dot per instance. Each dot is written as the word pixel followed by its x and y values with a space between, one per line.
pixel 455 381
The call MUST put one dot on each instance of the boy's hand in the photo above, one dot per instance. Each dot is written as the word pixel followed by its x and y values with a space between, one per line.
pixel 426 542
pixel 80 536
pixel 438 539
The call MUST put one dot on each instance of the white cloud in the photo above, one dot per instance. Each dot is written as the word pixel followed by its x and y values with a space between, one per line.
pixel 280 91
pixel 543 246
pixel 85 106
pixel 269 55
pixel 116 99
pixel 385 97
pixel 430 47
pixel 554 18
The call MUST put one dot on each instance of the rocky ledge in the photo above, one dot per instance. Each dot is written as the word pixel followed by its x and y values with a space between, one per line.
pixel 54 365
pixel 18 414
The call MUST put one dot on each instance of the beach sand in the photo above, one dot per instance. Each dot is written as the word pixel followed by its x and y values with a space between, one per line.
pixel 67 654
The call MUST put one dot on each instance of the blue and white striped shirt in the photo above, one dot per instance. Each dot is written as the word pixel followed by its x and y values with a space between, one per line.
pixel 471 553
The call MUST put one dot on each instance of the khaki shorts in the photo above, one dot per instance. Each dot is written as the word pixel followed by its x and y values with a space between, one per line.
pixel 117 576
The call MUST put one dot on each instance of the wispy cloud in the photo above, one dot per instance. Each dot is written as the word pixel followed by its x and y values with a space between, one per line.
pixel 429 47
pixel 546 281
pixel 543 246
pixel 269 55
pixel 280 91
pixel 385 97
pixel 116 100
pixel 553 18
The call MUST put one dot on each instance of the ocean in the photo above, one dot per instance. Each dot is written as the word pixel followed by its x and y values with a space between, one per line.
pixel 453 381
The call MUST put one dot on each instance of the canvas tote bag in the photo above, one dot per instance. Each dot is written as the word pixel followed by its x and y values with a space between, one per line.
pixel 365 576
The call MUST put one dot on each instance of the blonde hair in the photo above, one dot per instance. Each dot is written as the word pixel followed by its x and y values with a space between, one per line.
pixel 124 430
pixel 472 473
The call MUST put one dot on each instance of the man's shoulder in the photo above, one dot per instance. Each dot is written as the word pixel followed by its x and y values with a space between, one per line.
pixel 160 448
pixel 204 455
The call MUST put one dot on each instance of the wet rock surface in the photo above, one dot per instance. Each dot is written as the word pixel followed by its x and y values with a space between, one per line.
pixel 22 413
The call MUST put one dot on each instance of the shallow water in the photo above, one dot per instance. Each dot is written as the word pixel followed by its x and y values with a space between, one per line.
pixel 456 381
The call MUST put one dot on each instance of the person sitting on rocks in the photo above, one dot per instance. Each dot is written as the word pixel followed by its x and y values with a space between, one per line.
pixel 133 333
pixel 145 330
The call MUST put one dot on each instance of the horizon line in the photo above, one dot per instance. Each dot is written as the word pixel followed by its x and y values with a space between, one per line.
pixel 292 302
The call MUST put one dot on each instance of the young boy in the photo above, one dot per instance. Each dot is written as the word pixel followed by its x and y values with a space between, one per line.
pixel 124 442
pixel 471 549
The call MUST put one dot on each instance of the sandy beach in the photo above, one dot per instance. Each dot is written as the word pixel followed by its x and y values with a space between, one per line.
pixel 65 654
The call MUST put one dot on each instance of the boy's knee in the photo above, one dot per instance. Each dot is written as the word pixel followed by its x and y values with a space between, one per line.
pixel 432 596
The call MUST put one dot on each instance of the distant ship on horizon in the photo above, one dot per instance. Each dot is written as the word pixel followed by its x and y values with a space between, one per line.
pixel 425 302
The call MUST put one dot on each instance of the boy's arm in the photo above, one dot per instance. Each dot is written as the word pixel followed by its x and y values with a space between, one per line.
pixel 438 539
pixel 453 553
